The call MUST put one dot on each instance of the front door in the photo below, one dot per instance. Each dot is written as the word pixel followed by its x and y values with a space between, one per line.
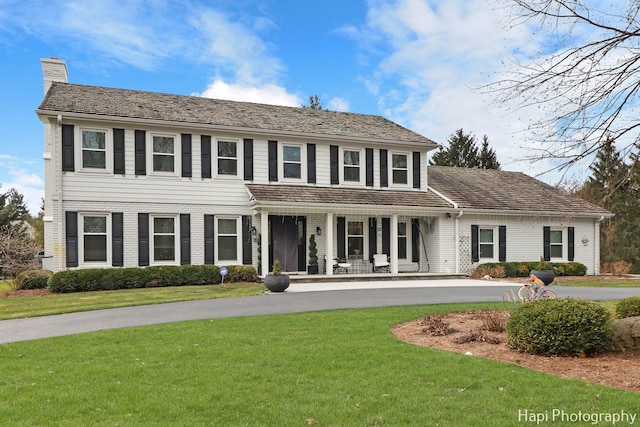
pixel 287 242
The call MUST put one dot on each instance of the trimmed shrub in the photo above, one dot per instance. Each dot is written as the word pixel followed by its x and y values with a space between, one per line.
pixel 559 327
pixel 32 279
pixel 628 307
pixel 522 269
pixel 94 279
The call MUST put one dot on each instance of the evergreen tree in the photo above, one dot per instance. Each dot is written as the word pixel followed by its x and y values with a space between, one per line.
pixel 12 207
pixel 464 152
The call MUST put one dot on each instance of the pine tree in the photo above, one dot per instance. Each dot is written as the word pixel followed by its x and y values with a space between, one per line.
pixel 463 152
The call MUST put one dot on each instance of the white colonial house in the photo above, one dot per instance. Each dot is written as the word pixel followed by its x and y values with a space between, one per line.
pixel 137 178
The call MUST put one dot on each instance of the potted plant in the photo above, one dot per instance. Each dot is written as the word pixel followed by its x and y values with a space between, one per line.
pixel 276 281
pixel 313 256
pixel 544 272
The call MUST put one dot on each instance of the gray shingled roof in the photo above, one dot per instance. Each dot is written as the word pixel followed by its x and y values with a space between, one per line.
pixel 504 191
pixel 102 101
pixel 349 196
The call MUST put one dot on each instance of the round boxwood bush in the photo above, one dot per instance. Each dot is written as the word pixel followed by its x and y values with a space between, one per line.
pixel 559 327
pixel 628 307
pixel 32 279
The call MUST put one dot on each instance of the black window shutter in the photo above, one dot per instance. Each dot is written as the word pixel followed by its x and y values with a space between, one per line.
pixel 369 166
pixel 415 240
pixel 384 172
pixel 186 155
pixel 475 243
pixel 117 239
pixel 386 236
pixel 571 248
pixel 143 239
pixel 416 169
pixel 247 258
pixel 185 239
pixel 341 234
pixel 68 163
pixel 546 241
pixel 209 239
pixel 248 159
pixel 311 163
pixel 502 243
pixel 334 164
pixel 373 239
pixel 273 160
pixel 205 156
pixel 140 152
pixel 71 226
pixel 118 151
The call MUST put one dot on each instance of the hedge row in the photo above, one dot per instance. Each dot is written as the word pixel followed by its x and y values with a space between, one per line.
pixel 100 279
pixel 522 269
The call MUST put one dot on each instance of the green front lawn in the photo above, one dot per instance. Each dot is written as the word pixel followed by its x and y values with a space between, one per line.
pixel 333 368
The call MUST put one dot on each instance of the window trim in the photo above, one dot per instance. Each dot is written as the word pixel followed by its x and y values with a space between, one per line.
pixel 494 243
pixel 562 244
pixel 238 220
pixel 81 234
pixel 303 161
pixel 108 148
pixel 405 237
pixel 176 241
pixel 176 154
pixel 361 166
pixel 408 169
pixel 239 158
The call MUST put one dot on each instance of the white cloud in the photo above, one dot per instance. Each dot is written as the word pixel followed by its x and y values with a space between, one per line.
pixel 338 104
pixel 265 94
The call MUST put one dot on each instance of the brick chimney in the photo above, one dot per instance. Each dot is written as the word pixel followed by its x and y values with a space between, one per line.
pixel 53 70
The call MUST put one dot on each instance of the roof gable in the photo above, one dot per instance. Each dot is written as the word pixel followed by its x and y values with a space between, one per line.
pixel 132 104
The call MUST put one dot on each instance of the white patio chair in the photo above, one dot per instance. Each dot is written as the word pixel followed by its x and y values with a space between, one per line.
pixel 380 263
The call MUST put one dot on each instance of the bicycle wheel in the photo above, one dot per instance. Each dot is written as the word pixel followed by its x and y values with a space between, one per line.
pixel 525 293
pixel 547 294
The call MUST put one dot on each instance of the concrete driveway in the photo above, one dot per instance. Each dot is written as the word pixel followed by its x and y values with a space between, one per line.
pixel 300 297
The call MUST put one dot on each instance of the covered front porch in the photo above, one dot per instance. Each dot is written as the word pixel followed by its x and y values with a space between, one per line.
pixel 363 239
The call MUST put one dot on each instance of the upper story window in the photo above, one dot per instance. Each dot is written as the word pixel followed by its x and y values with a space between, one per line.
pixel 164 157
pixel 94 238
pixel 352 166
pixel 399 168
pixel 556 243
pixel 227 157
pixel 292 161
pixel 486 242
pixel 164 239
pixel 94 149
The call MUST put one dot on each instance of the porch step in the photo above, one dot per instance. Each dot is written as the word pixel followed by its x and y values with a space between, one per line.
pixel 323 278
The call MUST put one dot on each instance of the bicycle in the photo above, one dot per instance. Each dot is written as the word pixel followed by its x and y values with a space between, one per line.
pixel 530 291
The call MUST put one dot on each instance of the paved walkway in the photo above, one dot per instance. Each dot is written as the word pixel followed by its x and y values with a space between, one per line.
pixel 300 297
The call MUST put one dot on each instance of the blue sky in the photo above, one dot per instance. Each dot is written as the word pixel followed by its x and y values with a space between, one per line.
pixel 416 62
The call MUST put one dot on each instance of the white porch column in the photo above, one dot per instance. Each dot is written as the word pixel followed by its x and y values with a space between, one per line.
pixel 394 243
pixel 328 235
pixel 264 242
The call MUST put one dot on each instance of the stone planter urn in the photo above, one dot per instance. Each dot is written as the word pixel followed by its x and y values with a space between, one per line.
pixel 547 276
pixel 276 281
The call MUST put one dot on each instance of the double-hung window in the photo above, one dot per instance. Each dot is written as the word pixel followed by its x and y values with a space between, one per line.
pixel 94 149
pixel 351 166
pixel 94 238
pixel 227 158
pixel 164 154
pixel 556 244
pixel 399 168
pixel 402 240
pixel 355 239
pixel 292 161
pixel 228 236
pixel 164 239
pixel 486 241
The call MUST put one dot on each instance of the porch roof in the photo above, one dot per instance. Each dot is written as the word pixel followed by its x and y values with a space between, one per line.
pixel 305 195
